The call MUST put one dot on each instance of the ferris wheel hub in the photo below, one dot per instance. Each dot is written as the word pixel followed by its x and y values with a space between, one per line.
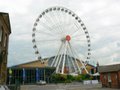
pixel 68 38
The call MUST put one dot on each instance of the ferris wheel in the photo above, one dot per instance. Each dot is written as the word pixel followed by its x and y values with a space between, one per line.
pixel 61 36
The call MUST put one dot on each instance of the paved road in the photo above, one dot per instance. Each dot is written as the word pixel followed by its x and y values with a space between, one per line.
pixel 78 86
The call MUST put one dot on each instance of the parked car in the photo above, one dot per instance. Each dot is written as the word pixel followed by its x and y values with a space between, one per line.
pixel 41 82
pixel 4 87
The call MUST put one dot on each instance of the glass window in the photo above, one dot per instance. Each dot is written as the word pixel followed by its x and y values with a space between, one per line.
pixel 0 50
pixel 109 77
pixel 5 40
pixel 0 34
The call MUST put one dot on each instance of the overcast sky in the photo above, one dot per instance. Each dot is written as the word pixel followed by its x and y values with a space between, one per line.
pixel 101 17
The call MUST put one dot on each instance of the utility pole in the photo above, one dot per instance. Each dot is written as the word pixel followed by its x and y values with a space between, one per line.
pixel 44 74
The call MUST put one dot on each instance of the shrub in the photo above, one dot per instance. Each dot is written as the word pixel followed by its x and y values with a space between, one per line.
pixel 60 78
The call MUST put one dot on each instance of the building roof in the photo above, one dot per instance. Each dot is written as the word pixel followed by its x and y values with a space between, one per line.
pixel 32 64
pixel 38 64
pixel 109 68
pixel 6 19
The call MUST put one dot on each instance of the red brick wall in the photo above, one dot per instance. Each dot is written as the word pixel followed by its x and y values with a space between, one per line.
pixel 104 79
pixel 115 79
pixel 119 78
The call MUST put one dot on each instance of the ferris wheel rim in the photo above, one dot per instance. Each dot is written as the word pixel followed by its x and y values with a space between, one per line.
pixel 66 10
pixel 63 9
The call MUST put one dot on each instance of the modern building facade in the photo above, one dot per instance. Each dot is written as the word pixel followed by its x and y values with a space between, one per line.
pixel 110 75
pixel 5 31
pixel 30 73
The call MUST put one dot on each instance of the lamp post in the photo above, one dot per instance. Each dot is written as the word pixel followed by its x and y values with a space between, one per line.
pixel 10 75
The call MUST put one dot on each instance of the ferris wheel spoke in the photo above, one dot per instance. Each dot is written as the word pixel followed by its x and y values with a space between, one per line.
pixel 78 29
pixel 59 22
pixel 80 45
pixel 56 20
pixel 45 33
pixel 49 20
pixel 50 40
pixel 78 40
pixel 48 28
pixel 62 20
pixel 80 35
pixel 81 42
pixel 45 44
pixel 58 26
pixel 66 18
pixel 47 40
pixel 71 27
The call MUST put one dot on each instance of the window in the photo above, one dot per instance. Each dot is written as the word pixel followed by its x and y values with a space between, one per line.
pixel 104 77
pixel 0 50
pixel 5 40
pixel 0 34
pixel 116 76
pixel 109 77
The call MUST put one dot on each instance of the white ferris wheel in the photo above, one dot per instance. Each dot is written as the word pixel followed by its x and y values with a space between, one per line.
pixel 61 36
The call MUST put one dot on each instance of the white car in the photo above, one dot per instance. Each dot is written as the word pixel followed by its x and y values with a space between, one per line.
pixel 4 87
pixel 41 82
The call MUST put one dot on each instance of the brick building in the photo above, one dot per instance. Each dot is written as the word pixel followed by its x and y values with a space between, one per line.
pixel 4 39
pixel 110 75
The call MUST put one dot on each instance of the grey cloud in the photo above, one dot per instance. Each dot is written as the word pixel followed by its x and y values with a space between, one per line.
pixel 101 18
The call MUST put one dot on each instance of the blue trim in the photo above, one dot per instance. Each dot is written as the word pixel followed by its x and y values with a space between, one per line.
pixel 37 74
pixel 24 74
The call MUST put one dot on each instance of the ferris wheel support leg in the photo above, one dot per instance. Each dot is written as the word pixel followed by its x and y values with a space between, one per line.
pixel 78 66
pixel 69 65
pixel 63 65
pixel 57 58
pixel 60 59
pixel 75 58
pixel 81 62
pixel 58 66
pixel 54 61
pixel 74 65
pixel 72 61
pixel 68 60
pixel 85 68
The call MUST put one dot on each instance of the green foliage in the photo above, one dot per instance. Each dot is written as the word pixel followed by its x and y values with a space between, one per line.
pixel 83 77
pixel 70 77
pixel 60 78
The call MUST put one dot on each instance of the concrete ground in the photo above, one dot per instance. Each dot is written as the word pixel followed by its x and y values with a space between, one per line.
pixel 73 86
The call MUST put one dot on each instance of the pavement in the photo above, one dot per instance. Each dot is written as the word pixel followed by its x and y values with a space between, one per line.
pixel 73 86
